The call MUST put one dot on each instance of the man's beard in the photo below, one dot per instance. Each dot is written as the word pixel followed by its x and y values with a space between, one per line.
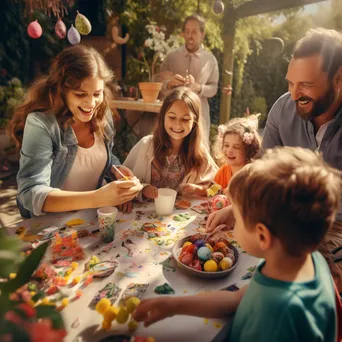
pixel 319 106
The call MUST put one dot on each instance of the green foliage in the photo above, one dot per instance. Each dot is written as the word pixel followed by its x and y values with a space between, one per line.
pixel 10 261
pixel 11 95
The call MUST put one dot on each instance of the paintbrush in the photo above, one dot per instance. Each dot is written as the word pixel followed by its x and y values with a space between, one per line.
pixel 120 173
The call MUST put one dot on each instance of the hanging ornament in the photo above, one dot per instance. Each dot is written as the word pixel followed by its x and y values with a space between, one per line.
pixel 82 24
pixel 73 35
pixel 218 7
pixel 60 29
pixel 34 29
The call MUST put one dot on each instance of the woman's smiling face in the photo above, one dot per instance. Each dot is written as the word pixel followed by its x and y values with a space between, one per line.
pixel 84 101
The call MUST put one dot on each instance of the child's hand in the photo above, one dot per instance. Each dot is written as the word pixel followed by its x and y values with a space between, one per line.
pixel 190 189
pixel 223 216
pixel 153 310
pixel 150 191
pixel 126 207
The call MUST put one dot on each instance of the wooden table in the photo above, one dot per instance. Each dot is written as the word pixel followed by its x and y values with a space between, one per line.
pixel 138 105
pixel 149 261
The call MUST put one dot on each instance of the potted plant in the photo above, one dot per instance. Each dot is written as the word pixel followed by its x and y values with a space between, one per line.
pixel 23 317
pixel 11 94
pixel 154 52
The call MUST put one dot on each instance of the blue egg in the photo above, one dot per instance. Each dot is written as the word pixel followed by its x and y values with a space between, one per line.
pixel 204 253
pixel 199 243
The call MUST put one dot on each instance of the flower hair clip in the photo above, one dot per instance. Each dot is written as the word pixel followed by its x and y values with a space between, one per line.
pixel 220 130
pixel 248 138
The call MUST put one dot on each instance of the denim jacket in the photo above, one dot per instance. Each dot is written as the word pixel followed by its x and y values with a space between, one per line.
pixel 46 157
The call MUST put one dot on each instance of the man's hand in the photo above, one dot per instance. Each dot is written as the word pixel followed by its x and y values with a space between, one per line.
pixel 227 90
pixel 176 81
pixel 193 85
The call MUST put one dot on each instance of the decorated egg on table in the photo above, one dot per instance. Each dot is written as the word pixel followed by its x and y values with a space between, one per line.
pixel 231 255
pixel 226 263
pixel 210 266
pixel 217 256
pixel 196 264
pixel 204 253
pixel 34 29
pixel 210 247
pixel 199 243
pixel 82 24
pixel 196 237
pixel 73 35
pixel 221 247
pixel 187 243
pixel 218 202
pixel 60 29
pixel 211 242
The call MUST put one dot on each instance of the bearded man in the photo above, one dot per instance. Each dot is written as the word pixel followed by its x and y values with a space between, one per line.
pixel 310 114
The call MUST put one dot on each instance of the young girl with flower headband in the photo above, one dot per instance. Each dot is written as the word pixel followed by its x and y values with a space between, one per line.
pixel 237 143
pixel 174 156
pixel 64 130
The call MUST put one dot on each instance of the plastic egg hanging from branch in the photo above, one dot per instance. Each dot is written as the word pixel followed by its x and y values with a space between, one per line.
pixel 218 7
pixel 73 35
pixel 34 30
pixel 82 24
pixel 60 29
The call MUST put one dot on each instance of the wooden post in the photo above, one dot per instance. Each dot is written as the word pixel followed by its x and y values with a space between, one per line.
pixel 228 59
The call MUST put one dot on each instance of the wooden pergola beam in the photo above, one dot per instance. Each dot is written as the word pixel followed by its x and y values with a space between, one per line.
pixel 265 6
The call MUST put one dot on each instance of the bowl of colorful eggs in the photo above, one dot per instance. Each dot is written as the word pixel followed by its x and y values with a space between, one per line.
pixel 206 258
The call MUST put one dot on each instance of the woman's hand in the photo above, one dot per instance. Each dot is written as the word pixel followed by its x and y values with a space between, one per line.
pixel 117 192
pixel 124 170
pixel 223 216
pixel 150 192
pixel 126 207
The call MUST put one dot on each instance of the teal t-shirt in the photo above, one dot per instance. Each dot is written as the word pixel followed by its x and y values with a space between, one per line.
pixel 275 311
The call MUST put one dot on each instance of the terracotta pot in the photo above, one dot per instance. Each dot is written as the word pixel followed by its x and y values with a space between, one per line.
pixel 150 90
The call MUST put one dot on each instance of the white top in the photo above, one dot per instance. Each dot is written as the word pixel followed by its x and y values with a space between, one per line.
pixel 87 167
pixel 320 133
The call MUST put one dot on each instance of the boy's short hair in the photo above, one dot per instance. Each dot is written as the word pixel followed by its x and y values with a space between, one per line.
pixel 293 192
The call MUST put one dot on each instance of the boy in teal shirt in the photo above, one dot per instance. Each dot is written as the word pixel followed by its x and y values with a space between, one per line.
pixel 283 204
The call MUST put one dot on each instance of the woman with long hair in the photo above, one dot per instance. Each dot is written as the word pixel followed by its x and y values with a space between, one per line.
pixel 64 130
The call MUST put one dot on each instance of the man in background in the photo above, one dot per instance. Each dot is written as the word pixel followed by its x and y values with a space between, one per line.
pixel 193 66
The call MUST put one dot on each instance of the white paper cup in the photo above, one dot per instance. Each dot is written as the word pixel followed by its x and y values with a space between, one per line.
pixel 165 201
pixel 107 220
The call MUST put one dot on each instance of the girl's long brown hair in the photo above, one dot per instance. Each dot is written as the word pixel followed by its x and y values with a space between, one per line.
pixel 48 94
pixel 192 153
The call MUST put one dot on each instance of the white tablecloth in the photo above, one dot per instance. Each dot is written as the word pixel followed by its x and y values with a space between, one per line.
pixel 150 263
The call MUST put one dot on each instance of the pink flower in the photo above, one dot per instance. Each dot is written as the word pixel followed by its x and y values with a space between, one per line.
pixel 248 138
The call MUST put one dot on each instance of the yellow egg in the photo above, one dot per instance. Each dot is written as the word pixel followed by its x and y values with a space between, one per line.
pixel 102 305
pixel 226 263
pixel 111 313
pixel 208 245
pixel 132 325
pixel 187 243
pixel 210 266
pixel 65 301
pixel 132 303
pixel 122 315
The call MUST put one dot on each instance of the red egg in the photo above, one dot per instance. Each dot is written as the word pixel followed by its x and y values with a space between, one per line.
pixel 34 29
